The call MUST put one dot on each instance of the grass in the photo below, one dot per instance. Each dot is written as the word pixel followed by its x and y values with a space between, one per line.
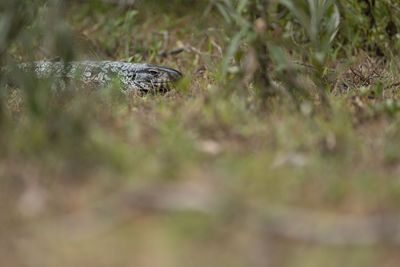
pixel 204 175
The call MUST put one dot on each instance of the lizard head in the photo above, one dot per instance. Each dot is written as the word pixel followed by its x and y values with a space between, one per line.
pixel 154 78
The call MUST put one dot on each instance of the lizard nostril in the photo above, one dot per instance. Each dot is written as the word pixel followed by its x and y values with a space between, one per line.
pixel 133 76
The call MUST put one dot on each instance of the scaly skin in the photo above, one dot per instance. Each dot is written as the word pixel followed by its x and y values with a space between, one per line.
pixel 135 77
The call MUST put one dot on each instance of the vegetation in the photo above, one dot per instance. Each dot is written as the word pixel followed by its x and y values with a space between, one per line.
pixel 279 147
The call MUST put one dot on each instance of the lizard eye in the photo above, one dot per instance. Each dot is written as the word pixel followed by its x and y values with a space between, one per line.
pixel 153 72
pixel 133 76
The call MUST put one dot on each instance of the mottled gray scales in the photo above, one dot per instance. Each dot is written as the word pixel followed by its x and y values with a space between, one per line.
pixel 133 76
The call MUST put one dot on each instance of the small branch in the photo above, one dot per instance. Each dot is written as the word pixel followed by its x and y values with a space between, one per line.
pixel 217 46
pixel 173 52
pixel 164 51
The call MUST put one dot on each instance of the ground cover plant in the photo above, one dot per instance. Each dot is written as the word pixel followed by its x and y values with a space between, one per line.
pixel 279 147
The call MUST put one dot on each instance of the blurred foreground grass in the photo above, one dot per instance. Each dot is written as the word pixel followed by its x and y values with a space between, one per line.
pixel 201 176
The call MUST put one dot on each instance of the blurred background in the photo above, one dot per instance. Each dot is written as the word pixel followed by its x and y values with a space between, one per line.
pixel 279 147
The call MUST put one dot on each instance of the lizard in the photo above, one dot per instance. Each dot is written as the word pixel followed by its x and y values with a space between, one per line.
pixel 134 77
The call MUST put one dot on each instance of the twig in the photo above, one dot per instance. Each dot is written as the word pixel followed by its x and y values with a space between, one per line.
pixel 164 51
pixel 197 51
pixel 217 46
pixel 174 51
pixel 357 74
